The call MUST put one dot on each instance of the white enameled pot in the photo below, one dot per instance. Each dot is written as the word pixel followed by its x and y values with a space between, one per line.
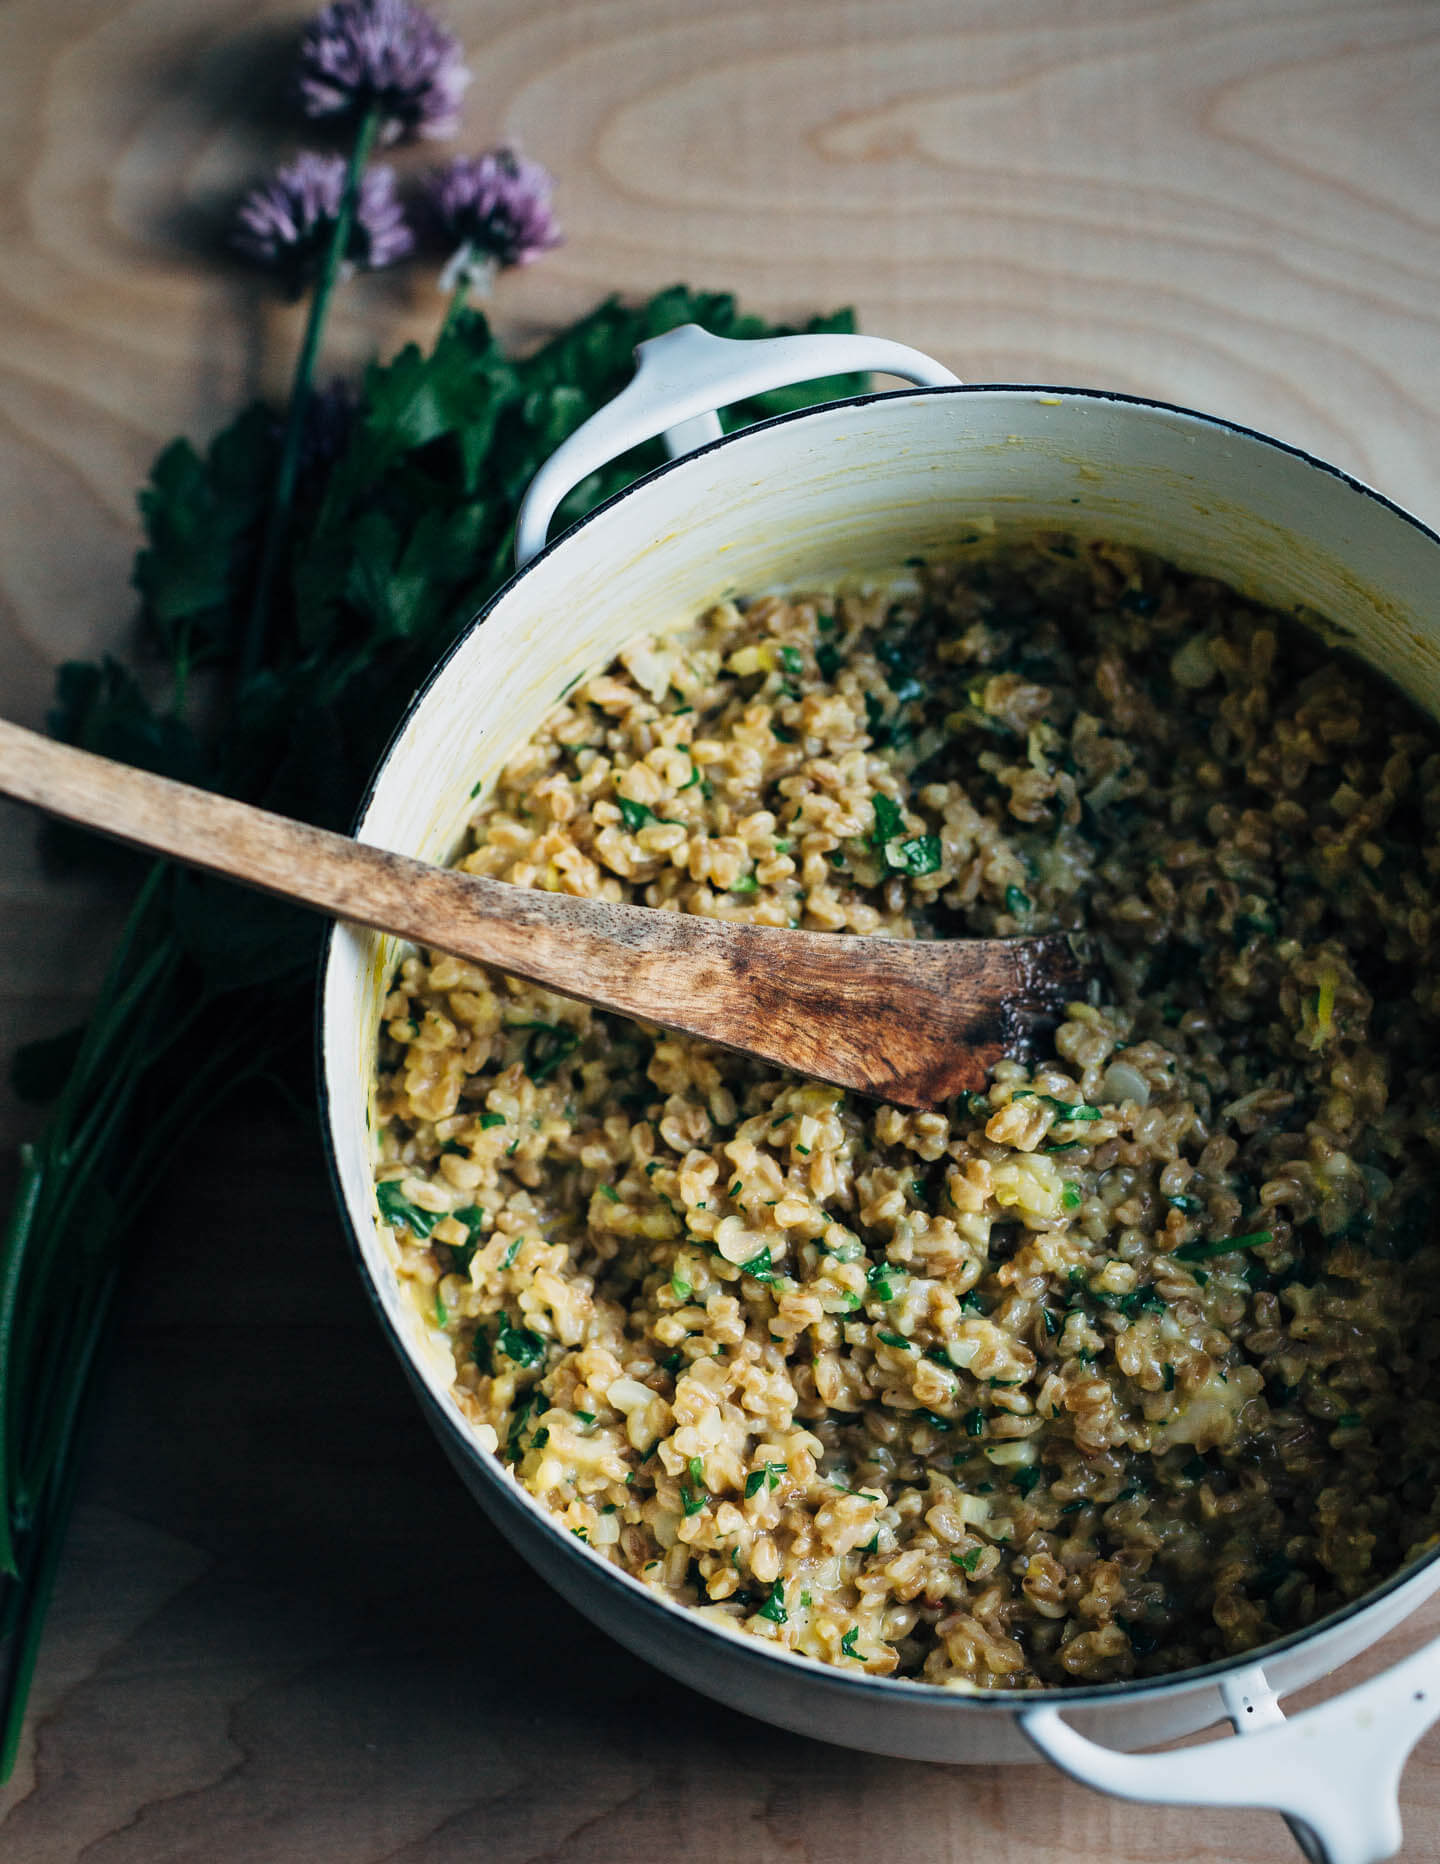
pixel 850 490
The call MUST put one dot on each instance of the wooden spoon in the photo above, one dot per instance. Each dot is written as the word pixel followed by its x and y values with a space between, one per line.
pixel 909 1020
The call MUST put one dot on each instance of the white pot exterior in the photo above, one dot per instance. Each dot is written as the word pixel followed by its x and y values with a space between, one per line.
pixel 851 491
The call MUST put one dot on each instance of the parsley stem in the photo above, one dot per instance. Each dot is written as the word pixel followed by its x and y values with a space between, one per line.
pixel 277 522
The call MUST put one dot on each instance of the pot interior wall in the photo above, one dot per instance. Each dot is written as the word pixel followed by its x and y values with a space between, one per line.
pixel 849 494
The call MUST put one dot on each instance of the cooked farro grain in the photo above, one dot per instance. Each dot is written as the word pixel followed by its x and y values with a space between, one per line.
pixel 1126 1365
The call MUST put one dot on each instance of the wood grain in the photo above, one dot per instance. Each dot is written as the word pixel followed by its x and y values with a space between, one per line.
pixel 283 1632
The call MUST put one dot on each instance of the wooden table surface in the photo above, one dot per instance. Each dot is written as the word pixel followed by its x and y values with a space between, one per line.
pixel 282 1630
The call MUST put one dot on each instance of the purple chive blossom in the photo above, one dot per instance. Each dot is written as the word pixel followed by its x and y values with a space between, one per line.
pixel 286 223
pixel 495 211
pixel 389 55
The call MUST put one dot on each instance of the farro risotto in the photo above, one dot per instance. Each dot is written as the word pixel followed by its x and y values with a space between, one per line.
pixel 1123 1366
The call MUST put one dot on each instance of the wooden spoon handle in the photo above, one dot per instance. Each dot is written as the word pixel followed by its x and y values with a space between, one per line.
pixel 914 1022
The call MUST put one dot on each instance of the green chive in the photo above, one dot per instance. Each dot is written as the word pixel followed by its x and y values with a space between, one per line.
pixel 1198 1252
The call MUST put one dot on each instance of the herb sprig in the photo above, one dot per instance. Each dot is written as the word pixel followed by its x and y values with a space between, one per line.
pixel 382 560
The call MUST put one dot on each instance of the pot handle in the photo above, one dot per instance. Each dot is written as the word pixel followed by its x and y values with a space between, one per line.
pixel 1333 1771
pixel 681 378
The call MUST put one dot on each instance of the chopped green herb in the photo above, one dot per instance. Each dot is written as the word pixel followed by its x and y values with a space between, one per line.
pixel 396 1208
pixel 441 1312
pixel 889 821
pixel 792 660
pixel 580 1534
pixel 825 623
pixel 774 1606
pixel 1069 1145
pixel 969 1560
pixel 1050 1320
pixel 520 1344
pixel 737 1187
pixel 679 1287
pixel 827 659
pixel 878 1276
pixel 974 1422
pixel 1247 926
pixel 1138 1301
pixel 1071 1109
pixel 452 1149
pixel 806 1601
pixel 918 1190
pixel 1142 1642
pixel 586 1417
pixel 972 1300
pixel 609 1191
pixel 1169 1374
pixel 488 1121
pixel 549 1046
pixel 1229 1245
pixel 694 1494
pixel 919 854
pixel 480 1352
pixel 1073 1507
pixel 1025 1479
pixel 508 1259
pixel 540 1439
pixel 893 1339
pixel 804 1151
pixel 768 1474
pixel 635 815
pixel 1070 1197
pixel 759 1268
pixel 784 734
pixel 1186 1205
pixel 747 883
pixel 847 1644
pixel 1016 901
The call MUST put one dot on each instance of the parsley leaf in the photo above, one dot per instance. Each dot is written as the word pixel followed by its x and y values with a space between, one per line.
pixel 551 1045
pixel 397 1209
pixel 520 1344
pixel 774 1606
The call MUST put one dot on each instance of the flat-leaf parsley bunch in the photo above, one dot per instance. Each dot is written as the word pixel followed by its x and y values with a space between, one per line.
pixel 311 564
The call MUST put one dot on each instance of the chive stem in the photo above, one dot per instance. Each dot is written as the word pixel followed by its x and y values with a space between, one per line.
pixel 1227 1246
pixel 277 521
